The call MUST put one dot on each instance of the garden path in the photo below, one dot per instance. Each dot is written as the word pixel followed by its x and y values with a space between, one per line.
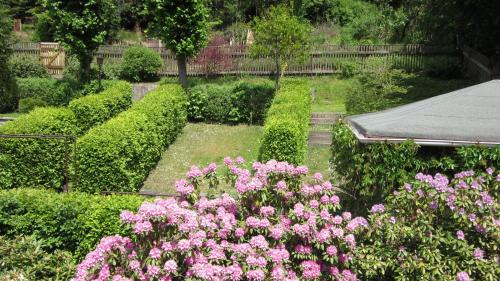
pixel 141 89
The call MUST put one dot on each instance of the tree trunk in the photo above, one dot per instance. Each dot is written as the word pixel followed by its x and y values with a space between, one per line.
pixel 85 69
pixel 181 64
pixel 278 76
pixel 137 27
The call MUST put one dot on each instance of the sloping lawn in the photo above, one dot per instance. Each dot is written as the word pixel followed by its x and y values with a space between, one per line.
pixel 330 93
pixel 201 144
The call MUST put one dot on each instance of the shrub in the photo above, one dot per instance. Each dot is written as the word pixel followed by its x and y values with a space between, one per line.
pixel 24 258
pixel 140 64
pixel 280 226
pixel 28 104
pixel 216 102
pixel 93 110
pixel 235 103
pixel 72 222
pixel 214 59
pixel 36 162
pixel 348 69
pixel 119 154
pixel 370 172
pixel 381 87
pixel 434 229
pixel 25 66
pixel 49 90
pixel 287 125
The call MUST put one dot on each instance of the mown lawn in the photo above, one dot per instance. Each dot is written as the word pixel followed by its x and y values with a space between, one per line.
pixel 201 144
pixel 13 114
pixel 330 93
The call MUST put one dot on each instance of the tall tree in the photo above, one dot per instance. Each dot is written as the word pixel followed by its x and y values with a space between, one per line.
pixel 8 88
pixel 282 37
pixel 82 26
pixel 182 25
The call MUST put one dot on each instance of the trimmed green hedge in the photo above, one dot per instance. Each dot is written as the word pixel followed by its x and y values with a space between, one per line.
pixel 67 221
pixel 287 125
pixel 244 102
pixel 370 172
pixel 36 162
pixel 93 110
pixel 119 154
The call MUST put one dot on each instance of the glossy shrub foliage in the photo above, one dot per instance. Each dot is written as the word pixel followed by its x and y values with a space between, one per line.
pixel 370 172
pixel 29 162
pixel 120 153
pixel 24 258
pixel 435 228
pixel 244 102
pixel 95 109
pixel 287 125
pixel 72 222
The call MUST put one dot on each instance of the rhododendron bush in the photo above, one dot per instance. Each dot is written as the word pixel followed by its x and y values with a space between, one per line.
pixel 435 229
pixel 281 226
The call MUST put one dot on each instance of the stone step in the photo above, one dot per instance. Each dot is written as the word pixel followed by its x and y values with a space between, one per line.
pixel 141 89
pixel 326 115
pixel 320 138
pixel 320 128
pixel 4 120
pixel 316 120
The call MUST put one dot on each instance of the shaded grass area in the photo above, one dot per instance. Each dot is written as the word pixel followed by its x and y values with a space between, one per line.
pixel 201 144
pixel 422 87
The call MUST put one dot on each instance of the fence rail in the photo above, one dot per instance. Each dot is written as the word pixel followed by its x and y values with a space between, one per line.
pixel 236 59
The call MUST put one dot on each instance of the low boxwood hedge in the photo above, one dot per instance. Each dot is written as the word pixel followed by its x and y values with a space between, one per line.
pixel 36 162
pixel 93 110
pixel 370 172
pixel 287 125
pixel 120 153
pixel 73 221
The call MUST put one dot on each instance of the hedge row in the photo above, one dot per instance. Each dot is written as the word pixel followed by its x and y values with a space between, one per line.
pixel 40 162
pixel 93 110
pixel 245 102
pixel 287 125
pixel 370 172
pixel 36 162
pixel 120 153
pixel 67 221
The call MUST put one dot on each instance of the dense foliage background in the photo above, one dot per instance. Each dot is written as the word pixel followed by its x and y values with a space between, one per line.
pixel 474 22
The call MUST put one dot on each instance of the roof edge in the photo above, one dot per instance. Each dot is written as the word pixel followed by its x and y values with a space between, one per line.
pixel 424 142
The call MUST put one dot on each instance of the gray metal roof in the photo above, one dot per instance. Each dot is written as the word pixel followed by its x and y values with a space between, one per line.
pixel 467 116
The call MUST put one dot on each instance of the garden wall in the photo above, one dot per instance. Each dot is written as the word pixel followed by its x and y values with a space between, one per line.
pixel 119 154
pixel 287 125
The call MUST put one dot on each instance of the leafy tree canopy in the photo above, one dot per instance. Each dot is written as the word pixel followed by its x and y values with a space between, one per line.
pixel 281 36
pixel 82 26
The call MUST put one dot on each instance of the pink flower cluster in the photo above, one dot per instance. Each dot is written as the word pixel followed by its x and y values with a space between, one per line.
pixel 278 228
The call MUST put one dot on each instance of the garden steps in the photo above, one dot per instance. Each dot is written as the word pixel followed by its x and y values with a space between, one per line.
pixel 320 127
pixel 141 89
pixel 4 120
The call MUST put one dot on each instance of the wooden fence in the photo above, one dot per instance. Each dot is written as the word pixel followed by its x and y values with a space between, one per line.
pixel 326 59
pixel 477 65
